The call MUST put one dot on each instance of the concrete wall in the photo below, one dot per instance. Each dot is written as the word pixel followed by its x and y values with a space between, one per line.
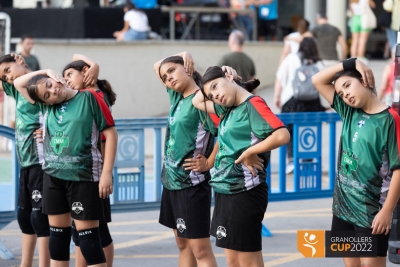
pixel 129 66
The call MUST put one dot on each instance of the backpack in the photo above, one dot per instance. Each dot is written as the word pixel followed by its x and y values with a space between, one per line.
pixel 303 88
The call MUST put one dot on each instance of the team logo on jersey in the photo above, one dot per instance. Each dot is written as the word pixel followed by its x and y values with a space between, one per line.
pixel 77 207
pixel 63 108
pixel 221 232
pixel 361 123
pixel 58 142
pixel 36 195
pixel 180 225
pixel 349 162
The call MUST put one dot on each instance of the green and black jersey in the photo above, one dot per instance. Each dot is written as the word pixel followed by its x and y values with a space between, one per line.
pixel 71 137
pixel 28 118
pixel 240 128
pixel 368 154
pixel 189 132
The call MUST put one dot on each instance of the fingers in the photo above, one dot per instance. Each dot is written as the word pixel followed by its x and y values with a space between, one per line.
pixel 105 191
pixel 253 172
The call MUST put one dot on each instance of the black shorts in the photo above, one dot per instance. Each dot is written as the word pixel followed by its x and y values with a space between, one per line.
pixel 80 198
pixel 382 240
pixel 187 210
pixel 31 187
pixel 267 27
pixel 237 219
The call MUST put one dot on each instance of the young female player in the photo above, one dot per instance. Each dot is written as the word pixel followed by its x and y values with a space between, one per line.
pixel 367 188
pixel 75 177
pixel 186 197
pixel 32 222
pixel 75 74
pixel 248 131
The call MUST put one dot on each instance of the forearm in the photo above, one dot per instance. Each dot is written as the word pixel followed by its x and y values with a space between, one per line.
pixel 325 76
pixel 21 83
pixel 393 193
pixel 110 149
pixel 211 158
pixel 77 57
pixel 277 139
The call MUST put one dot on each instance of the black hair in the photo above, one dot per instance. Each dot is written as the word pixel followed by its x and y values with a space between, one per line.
pixel 129 5
pixel 353 74
pixel 322 14
pixel 32 87
pixel 26 36
pixel 216 72
pixel 103 85
pixel 179 60
pixel 302 25
pixel 6 59
pixel 308 50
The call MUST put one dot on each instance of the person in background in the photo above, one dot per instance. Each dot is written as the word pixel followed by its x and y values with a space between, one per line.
pixel 267 18
pixel 385 92
pixel 237 59
pixel 328 36
pixel 27 45
pixel 245 20
pixel 136 24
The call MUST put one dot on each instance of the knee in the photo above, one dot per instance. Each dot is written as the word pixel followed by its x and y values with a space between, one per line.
pixel 200 252
pixel 40 223
pixel 105 235
pixel 232 261
pixel 182 243
pixel 90 244
pixel 60 238
pixel 24 221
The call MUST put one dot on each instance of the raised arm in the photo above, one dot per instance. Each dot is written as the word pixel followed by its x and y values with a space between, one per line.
pixel 92 73
pixel 187 61
pixel 201 103
pixel 323 79
pixel 21 83
pixel 384 83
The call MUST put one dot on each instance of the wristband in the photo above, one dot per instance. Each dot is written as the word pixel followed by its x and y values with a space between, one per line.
pixel 349 64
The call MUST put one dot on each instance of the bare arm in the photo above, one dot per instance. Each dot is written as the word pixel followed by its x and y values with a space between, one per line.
pixel 323 79
pixel 201 103
pixel 285 52
pixel 200 163
pixel 343 45
pixel 382 220
pixel 93 72
pixel 384 84
pixel 105 184
pixel 278 92
pixel 372 4
pixel 187 61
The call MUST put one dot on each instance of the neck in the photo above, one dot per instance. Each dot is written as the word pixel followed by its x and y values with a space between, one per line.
pixel 241 95
pixel 237 48
pixel 373 105
pixel 323 21
pixel 70 93
pixel 25 53
pixel 190 88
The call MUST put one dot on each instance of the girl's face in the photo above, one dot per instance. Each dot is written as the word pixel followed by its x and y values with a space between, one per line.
pixel 51 92
pixel 174 76
pixel 74 78
pixel 221 91
pixel 352 91
pixel 9 71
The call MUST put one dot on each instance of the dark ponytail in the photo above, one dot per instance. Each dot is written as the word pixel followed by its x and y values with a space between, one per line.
pixel 216 72
pixel 179 60
pixel 103 85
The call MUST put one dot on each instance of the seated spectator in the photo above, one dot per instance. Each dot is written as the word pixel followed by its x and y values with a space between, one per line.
pixel 136 24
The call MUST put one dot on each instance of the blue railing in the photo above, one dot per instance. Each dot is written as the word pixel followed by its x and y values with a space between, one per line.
pixel 137 185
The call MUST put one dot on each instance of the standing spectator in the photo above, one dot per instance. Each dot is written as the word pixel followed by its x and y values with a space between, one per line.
pixel 327 37
pixel 27 45
pixel 245 20
pixel 136 24
pixel 395 17
pixel 237 59
pixel 359 34
pixel 267 18
pixel 145 3
pixel 385 93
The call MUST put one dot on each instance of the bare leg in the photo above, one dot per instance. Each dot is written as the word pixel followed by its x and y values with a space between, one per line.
pixel 250 259
pixel 44 253
pixel 354 44
pixel 232 258
pixel 202 250
pixel 79 259
pixel 362 44
pixel 109 252
pixel 28 249
pixel 186 257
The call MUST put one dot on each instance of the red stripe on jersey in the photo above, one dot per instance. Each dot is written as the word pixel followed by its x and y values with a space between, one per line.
pixel 396 118
pixel 104 108
pixel 215 119
pixel 265 112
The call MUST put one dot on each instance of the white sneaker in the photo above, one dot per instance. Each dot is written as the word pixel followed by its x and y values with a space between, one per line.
pixel 289 167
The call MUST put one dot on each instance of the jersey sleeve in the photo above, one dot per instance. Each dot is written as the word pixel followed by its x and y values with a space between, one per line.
pixel 101 112
pixel 263 121
pixel 341 107
pixel 393 144
pixel 10 90
pixel 210 122
pixel 220 110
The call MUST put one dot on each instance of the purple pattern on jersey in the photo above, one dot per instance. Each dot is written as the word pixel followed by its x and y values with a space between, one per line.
pixel 202 139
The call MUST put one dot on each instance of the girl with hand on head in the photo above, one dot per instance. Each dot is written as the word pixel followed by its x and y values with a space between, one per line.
pixel 75 177
pixel 81 74
pixel 367 188
pixel 188 155
pixel 33 223
pixel 247 133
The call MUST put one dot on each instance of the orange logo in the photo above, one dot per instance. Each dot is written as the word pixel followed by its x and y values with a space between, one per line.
pixel 311 243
